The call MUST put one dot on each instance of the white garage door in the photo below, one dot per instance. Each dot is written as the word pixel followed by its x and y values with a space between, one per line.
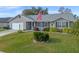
pixel 17 26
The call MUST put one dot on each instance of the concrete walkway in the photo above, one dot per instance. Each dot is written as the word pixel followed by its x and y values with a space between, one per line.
pixel 6 32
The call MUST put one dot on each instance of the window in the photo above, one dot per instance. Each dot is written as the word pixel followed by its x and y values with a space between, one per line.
pixel 61 24
pixel 58 24
pixel 70 24
pixel 45 24
pixel 64 24
pixel 40 24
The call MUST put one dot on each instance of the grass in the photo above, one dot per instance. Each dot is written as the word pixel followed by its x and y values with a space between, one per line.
pixel 23 42
pixel 2 29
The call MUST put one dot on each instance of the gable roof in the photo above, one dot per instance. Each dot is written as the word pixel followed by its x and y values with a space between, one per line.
pixel 4 20
pixel 49 17
pixel 53 17
pixel 21 18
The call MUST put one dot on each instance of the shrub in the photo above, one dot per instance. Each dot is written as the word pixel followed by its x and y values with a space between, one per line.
pixel 66 30
pixel 75 28
pixel 70 30
pixel 6 28
pixel 46 29
pixel 53 29
pixel 46 37
pixel 75 32
pixel 20 31
pixel 59 30
pixel 41 36
pixel 36 29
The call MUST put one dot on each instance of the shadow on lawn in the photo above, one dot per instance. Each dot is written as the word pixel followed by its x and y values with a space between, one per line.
pixel 54 40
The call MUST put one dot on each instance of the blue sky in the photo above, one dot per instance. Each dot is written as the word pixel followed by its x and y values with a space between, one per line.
pixel 11 11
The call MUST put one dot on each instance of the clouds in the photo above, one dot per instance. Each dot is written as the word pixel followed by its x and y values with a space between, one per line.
pixel 9 11
pixel 75 12
pixel 8 7
pixel 52 12
pixel 6 15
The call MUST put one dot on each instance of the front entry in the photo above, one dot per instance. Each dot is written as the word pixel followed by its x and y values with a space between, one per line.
pixel 28 25
pixel 42 25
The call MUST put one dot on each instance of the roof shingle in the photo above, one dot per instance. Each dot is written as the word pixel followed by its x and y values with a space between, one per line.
pixel 53 17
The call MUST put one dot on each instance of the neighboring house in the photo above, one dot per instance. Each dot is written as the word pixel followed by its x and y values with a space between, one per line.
pixel 4 22
pixel 58 21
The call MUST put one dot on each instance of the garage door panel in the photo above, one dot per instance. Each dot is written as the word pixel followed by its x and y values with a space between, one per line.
pixel 17 26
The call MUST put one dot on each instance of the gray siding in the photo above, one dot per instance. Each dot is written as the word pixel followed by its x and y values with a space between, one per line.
pixel 21 19
pixel 3 24
pixel 52 18
pixel 53 24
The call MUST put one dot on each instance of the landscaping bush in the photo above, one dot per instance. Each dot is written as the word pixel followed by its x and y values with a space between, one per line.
pixel 20 31
pixel 46 29
pixel 75 28
pixel 41 36
pixel 36 29
pixel 6 28
pixel 75 32
pixel 59 30
pixel 67 30
pixel 53 29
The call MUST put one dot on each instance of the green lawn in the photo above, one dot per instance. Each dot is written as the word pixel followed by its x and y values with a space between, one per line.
pixel 23 42
pixel 2 29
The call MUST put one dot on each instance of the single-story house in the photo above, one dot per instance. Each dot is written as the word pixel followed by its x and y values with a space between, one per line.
pixel 59 21
pixel 4 22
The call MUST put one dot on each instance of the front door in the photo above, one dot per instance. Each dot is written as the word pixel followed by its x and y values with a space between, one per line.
pixel 28 25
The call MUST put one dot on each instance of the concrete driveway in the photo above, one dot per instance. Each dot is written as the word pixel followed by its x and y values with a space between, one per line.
pixel 6 32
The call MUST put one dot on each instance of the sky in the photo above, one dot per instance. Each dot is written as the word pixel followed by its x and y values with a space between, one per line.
pixel 11 11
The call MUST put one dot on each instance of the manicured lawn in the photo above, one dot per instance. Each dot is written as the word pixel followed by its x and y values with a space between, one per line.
pixel 2 29
pixel 22 42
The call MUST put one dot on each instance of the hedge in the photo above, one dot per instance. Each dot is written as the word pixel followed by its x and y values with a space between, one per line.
pixel 41 36
pixel 53 29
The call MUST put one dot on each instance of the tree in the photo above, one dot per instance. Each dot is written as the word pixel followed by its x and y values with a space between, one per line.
pixel 27 12
pixel 61 9
pixel 34 11
pixel 70 11
pixel 46 11
pixel 75 16
pixel 76 27
pixel 67 10
pixel 33 8
pixel 39 8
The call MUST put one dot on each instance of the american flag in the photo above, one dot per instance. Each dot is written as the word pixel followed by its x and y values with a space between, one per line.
pixel 39 16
